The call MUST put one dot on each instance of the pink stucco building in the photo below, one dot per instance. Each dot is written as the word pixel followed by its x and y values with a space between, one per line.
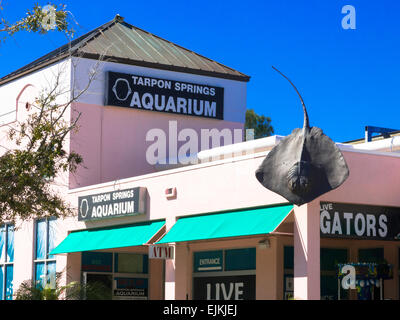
pixel 167 203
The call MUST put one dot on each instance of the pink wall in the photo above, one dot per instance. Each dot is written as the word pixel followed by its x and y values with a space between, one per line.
pixel 112 140
pixel 374 179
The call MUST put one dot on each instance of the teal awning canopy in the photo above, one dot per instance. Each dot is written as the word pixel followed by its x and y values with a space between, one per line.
pixel 108 238
pixel 228 224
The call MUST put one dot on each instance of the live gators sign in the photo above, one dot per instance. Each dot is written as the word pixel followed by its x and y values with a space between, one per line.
pixel 342 220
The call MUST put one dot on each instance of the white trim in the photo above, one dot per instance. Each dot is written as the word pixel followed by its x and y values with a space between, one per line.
pixel 167 172
pixel 268 142
pixel 209 268
pixel 238 148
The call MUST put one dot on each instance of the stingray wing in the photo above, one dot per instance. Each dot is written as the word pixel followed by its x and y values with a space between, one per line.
pixel 326 156
pixel 272 173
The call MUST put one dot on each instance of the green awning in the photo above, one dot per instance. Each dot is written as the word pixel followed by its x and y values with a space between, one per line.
pixel 227 224
pixel 108 238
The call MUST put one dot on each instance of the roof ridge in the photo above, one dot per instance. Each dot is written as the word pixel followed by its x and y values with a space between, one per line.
pixel 92 34
pixel 186 49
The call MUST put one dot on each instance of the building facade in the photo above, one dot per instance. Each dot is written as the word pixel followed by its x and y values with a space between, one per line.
pixel 167 203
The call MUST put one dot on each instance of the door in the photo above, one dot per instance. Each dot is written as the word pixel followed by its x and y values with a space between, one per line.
pixel 97 286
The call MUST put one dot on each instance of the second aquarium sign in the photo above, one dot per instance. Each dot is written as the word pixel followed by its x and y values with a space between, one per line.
pixel 112 204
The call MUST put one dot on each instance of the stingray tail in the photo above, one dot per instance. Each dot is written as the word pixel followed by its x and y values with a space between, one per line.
pixel 306 121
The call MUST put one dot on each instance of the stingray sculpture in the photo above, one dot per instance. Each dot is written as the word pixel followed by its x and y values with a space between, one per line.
pixel 304 165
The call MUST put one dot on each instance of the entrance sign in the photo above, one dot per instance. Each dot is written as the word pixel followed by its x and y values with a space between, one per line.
pixel 161 252
pixel 112 204
pixel 208 261
pixel 162 95
pixel 339 220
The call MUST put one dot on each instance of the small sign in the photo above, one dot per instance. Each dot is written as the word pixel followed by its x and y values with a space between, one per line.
pixel 138 293
pixel 289 283
pixel 207 261
pixel 161 252
pixel 164 95
pixel 136 288
pixel 112 204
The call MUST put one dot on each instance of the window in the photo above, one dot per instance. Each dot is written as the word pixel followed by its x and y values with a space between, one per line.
pixel 330 258
pixel 6 261
pixel 288 266
pixel 370 255
pixel 123 262
pixel 240 259
pixel 124 274
pixel 44 263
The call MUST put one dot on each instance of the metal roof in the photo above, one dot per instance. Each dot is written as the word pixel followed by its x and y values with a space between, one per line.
pixel 118 41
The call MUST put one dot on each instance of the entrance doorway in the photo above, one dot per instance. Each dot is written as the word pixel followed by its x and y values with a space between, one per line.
pixel 97 286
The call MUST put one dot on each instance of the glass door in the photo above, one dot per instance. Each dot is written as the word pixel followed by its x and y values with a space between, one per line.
pixel 97 286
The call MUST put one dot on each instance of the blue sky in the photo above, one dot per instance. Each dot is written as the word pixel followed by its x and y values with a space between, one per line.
pixel 348 78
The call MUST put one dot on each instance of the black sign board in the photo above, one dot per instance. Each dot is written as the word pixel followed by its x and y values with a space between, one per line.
pixel 112 204
pixel 136 288
pixel 138 293
pixel 225 288
pixel 339 220
pixel 162 95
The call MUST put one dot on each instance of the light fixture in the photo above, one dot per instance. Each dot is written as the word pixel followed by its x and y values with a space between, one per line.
pixel 264 244
pixel 170 193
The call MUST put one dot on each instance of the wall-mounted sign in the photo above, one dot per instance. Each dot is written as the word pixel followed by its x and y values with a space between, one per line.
pixel 137 293
pixel 206 261
pixel 224 288
pixel 112 204
pixel 162 95
pixel 339 220
pixel 136 288
pixel 289 283
pixel 161 252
